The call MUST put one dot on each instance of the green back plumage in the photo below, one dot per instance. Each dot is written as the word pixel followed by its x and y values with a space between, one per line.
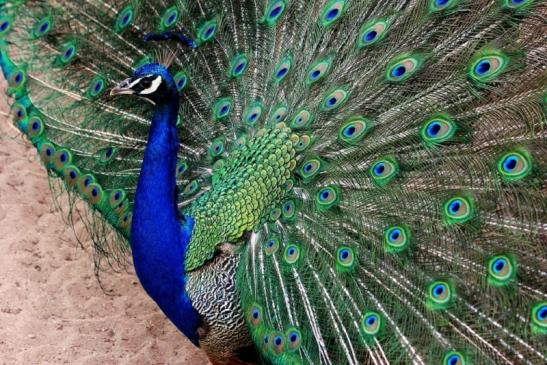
pixel 409 226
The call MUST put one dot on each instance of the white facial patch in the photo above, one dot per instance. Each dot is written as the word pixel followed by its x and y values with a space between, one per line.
pixel 135 82
pixel 155 85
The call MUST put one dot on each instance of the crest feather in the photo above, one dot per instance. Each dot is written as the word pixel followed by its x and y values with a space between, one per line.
pixel 165 57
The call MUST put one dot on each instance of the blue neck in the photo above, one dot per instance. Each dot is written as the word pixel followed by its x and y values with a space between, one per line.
pixel 158 238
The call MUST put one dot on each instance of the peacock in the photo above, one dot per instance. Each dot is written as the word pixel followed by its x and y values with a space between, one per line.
pixel 303 181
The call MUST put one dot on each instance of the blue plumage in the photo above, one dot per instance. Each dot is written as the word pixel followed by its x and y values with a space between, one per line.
pixel 159 263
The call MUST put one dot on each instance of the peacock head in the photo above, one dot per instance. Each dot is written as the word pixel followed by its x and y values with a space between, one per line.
pixel 152 82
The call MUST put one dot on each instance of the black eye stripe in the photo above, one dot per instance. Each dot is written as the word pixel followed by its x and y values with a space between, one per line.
pixel 147 81
pixel 144 83
pixel 138 87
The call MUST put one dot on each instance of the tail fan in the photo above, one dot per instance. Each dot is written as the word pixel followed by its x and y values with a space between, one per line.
pixel 413 228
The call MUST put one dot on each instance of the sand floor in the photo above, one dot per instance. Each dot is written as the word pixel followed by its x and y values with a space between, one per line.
pixel 52 309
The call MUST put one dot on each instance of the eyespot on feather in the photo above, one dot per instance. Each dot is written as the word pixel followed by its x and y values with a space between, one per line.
pixel 42 27
pixel 353 130
pixel 289 211
pixel 124 19
pixel 437 6
pixel 71 175
pixel 514 165
pixel 459 209
pixel 6 24
pixel 384 170
pixel 217 148
pixel 319 70
pixel 19 112
pixel 327 197
pixel 275 214
pixel 207 31
pixel 169 18
pixel 302 119
pixel 182 167
pixel 538 318
pixel 403 67
pixel 335 99
pixel 346 259
pixel 47 151
pixel 107 154
pixel 303 143
pixel 292 253
pixel 274 11
pixel 125 221
pixel 271 245
pixel 487 65
pixel 253 113
pixel 454 358
pixel 514 5
pixel 35 127
pixel 255 315
pixel 116 197
pixel 370 325
pixel 84 181
pixel 61 158
pixel 501 270
pixel 372 32
pixel 282 69
pixel 191 188
pixel 96 87
pixel 94 194
pixel 17 80
pixel 294 339
pixel 310 169
pixel 437 130
pixel 238 66
pixel 277 342
pixel 279 114
pixel 222 109
pixel 67 54
pixel 439 295
pixel 396 239
pixel 332 11
pixel 288 185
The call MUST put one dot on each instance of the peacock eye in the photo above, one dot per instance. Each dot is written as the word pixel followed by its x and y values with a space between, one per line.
pixel 345 259
pixel 454 358
pixel 371 323
pixel 292 254
pixel 146 83
pixel 294 339
pixel 271 245
pixel 396 239
pixel 459 209
pixel 255 313
pixel 439 5
pixel 5 24
pixel 440 295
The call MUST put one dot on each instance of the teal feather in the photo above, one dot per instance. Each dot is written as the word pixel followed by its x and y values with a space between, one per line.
pixel 367 177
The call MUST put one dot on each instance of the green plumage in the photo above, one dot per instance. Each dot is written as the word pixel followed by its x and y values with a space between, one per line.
pixel 376 167
pixel 244 190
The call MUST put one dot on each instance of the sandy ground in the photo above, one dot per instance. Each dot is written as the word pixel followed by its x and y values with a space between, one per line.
pixel 52 309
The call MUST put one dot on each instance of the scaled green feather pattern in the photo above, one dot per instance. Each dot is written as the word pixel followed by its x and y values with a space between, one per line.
pixel 244 190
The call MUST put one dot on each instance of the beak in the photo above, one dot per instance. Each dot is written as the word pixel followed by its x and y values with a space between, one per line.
pixel 123 88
